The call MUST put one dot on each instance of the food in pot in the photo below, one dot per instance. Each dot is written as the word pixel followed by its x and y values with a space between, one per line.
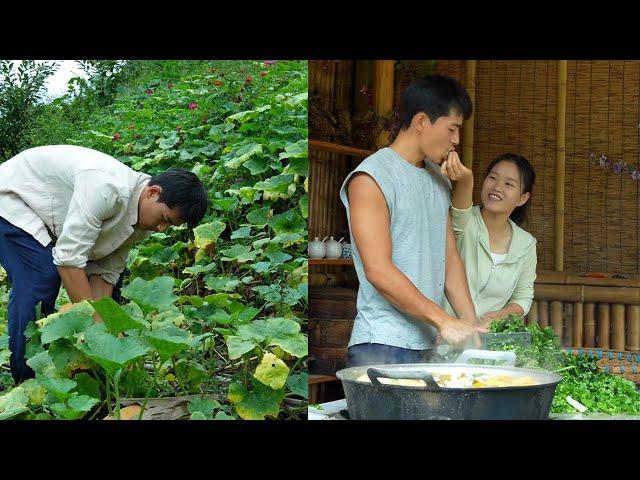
pixel 462 380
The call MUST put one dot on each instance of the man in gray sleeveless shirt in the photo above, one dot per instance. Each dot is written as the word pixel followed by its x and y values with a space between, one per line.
pixel 404 250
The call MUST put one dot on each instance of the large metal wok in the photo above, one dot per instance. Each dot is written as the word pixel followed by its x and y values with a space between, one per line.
pixel 379 401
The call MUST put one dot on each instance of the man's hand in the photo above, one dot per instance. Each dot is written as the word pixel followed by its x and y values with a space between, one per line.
pixel 460 332
pixel 68 306
pixel 453 168
pixel 65 307
pixel 489 317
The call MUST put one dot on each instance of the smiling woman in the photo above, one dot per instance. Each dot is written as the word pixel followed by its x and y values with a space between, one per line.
pixel 499 256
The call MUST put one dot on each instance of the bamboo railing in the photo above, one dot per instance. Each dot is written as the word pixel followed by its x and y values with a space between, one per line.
pixel 588 312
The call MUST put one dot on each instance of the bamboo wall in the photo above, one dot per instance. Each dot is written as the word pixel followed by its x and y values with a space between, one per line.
pixel 328 170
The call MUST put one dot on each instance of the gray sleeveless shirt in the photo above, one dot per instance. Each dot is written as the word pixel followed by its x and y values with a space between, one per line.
pixel 418 201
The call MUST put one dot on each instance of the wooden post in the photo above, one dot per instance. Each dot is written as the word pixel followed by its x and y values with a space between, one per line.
pixel 633 321
pixel 567 322
pixel 589 325
pixel 604 326
pixel 533 313
pixel 467 143
pixel 617 326
pixel 560 163
pixel 543 314
pixel 578 322
pixel 383 94
pixel 556 319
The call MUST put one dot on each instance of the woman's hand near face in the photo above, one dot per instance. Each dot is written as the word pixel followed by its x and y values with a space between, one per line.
pixel 453 168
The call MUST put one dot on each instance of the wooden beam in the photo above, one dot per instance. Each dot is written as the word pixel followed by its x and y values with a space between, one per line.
pixel 560 163
pixel 341 149
pixel 467 143
pixel 383 93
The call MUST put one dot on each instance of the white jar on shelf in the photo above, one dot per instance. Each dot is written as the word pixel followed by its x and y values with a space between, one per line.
pixel 317 248
pixel 334 249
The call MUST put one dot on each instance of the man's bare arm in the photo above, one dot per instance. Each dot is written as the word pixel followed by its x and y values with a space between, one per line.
pixel 456 285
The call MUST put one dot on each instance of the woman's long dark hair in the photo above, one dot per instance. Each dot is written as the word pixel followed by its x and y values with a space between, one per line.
pixel 527 179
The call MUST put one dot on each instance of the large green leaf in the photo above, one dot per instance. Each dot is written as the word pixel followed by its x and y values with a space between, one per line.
pixel 222 300
pixel 191 374
pixel 75 407
pixel 221 284
pixel 247 115
pixel 283 332
pixel 155 294
pixel 13 402
pixel 42 363
pixel 164 256
pixel 288 222
pixel 36 392
pixel 87 385
pixel 304 206
pixel 67 324
pixel 204 405
pixel 276 255
pixel 299 166
pixel 272 371
pixel 169 341
pixel 242 232
pixel 277 184
pixel 110 352
pixel 114 316
pixel 143 145
pixel 168 141
pixel 257 404
pixel 239 253
pixel 58 387
pixel 259 217
pixel 244 312
pixel 295 344
pixel 299 149
pixel 299 384
pixel 236 346
pixel 208 233
pixel 243 154
pixel 257 165
pixel 196 269
pixel 227 204
pixel 66 356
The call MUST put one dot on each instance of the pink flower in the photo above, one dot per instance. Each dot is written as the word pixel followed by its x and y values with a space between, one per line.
pixel 149 91
pixel 270 62
pixel 116 136
pixel 193 106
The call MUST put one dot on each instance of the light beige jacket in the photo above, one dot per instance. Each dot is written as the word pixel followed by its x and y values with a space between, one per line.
pixel 86 199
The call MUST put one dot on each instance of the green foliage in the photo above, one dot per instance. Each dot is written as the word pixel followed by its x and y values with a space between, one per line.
pixel 21 89
pixel 222 309
pixel 581 378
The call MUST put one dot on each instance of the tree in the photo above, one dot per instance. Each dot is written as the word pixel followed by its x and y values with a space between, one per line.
pixel 21 89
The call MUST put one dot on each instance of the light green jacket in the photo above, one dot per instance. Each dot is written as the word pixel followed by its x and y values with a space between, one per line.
pixel 492 286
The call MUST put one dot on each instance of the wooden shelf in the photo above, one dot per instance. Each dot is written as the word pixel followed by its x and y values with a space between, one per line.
pixel 330 261
pixel 313 379
pixel 341 149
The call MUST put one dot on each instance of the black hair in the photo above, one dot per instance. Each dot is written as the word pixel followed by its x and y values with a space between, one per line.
pixel 527 179
pixel 436 96
pixel 184 190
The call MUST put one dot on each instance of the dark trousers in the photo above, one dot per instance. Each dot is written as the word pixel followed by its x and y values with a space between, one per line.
pixel 379 354
pixel 34 278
